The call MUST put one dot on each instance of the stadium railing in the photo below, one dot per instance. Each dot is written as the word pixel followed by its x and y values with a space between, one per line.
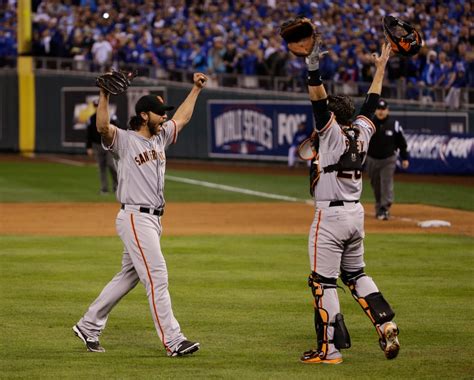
pixel 400 91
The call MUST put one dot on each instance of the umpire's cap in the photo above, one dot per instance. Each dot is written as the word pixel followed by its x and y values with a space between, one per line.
pixel 382 104
pixel 152 103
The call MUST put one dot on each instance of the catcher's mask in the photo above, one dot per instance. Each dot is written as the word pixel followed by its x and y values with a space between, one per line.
pixel 152 103
pixel 403 37
pixel 343 108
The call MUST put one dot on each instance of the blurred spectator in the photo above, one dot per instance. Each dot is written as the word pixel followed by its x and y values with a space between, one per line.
pixel 196 35
pixel 457 81
pixel 102 53
pixel 215 57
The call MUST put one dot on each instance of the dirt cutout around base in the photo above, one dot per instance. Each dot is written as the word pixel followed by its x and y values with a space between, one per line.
pixel 181 219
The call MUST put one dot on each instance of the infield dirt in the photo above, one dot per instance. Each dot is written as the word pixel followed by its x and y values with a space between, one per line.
pixel 98 219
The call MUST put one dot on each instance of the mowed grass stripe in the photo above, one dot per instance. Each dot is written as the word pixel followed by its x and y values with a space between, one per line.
pixel 244 298
pixel 56 182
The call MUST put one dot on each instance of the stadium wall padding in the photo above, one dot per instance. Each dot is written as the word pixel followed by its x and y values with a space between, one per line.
pixel 9 111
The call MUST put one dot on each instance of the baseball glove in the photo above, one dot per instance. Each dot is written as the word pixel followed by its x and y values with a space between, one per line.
pixel 404 38
pixel 115 82
pixel 300 35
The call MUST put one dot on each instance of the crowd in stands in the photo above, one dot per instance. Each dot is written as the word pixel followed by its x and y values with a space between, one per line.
pixel 241 37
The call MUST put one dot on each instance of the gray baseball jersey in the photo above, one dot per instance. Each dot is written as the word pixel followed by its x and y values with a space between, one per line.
pixel 141 171
pixel 332 144
pixel 337 232
pixel 141 165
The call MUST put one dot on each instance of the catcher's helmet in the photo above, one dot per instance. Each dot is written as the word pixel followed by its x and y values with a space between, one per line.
pixel 403 37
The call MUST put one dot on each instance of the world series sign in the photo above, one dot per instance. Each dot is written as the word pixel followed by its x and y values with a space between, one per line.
pixel 256 130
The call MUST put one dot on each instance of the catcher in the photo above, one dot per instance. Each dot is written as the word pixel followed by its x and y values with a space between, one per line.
pixel 337 150
pixel 140 153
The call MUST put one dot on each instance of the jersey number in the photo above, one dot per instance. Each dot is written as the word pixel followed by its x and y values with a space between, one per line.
pixel 356 174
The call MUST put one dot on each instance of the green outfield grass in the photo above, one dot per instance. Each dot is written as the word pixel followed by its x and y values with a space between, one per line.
pixel 55 182
pixel 244 298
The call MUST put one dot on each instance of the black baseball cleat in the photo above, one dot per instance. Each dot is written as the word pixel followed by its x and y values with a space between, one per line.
pixel 314 357
pixel 186 347
pixel 92 345
pixel 383 215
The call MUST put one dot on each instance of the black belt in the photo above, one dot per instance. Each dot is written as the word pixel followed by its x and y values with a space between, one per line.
pixel 340 203
pixel 146 210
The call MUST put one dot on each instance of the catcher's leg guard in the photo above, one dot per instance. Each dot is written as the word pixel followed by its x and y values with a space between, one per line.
pixel 328 322
pixel 374 304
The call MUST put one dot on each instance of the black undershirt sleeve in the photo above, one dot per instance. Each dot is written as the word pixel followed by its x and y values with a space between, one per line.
pixel 369 106
pixel 321 113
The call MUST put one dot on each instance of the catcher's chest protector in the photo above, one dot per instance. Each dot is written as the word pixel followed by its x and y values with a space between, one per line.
pixel 352 158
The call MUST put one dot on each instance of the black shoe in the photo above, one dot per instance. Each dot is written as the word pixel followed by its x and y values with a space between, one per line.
pixel 186 347
pixel 91 344
pixel 383 214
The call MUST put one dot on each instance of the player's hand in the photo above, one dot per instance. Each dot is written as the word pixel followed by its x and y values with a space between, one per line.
pixel 381 60
pixel 405 164
pixel 199 80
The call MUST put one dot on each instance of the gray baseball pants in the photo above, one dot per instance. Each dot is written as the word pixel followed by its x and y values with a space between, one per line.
pixel 143 261
pixel 381 174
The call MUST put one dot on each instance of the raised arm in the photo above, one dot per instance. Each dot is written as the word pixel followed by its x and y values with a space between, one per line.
pixel 185 110
pixel 316 90
pixel 373 95
pixel 104 127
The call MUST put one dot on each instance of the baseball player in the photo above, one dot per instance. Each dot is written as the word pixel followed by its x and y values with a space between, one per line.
pixel 336 236
pixel 140 153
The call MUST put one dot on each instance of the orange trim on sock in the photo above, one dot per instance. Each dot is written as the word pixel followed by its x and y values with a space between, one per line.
pixel 151 283
pixel 316 240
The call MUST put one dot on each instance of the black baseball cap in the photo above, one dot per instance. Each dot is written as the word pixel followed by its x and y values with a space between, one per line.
pixel 152 103
pixel 382 104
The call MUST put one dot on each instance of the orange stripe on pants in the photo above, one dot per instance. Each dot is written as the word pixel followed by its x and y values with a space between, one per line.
pixel 316 240
pixel 151 283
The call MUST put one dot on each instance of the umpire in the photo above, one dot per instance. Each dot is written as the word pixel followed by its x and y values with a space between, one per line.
pixel 103 157
pixel 382 158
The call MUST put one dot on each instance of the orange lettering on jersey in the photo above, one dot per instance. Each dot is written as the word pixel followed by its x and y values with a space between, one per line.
pixel 145 156
pixel 142 159
pixel 137 161
pixel 153 154
pixel 161 155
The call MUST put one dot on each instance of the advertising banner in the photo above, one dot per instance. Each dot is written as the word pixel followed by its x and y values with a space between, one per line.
pixel 440 154
pixel 77 106
pixel 257 130
pixel 263 130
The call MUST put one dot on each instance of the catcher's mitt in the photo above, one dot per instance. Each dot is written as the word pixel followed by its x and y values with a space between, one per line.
pixel 300 35
pixel 115 82
pixel 403 37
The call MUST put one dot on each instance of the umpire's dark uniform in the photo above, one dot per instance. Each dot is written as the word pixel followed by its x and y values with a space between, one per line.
pixel 103 157
pixel 382 158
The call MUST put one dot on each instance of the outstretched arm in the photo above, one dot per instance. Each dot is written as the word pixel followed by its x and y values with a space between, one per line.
pixel 316 90
pixel 373 95
pixel 185 110
pixel 104 127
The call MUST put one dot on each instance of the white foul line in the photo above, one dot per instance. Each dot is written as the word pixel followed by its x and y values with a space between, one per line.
pixel 235 189
pixel 66 161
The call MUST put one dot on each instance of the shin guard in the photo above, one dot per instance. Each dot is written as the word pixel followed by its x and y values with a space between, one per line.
pixel 322 317
pixel 374 304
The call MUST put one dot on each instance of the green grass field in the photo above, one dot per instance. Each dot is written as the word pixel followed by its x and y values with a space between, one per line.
pixel 55 182
pixel 244 298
